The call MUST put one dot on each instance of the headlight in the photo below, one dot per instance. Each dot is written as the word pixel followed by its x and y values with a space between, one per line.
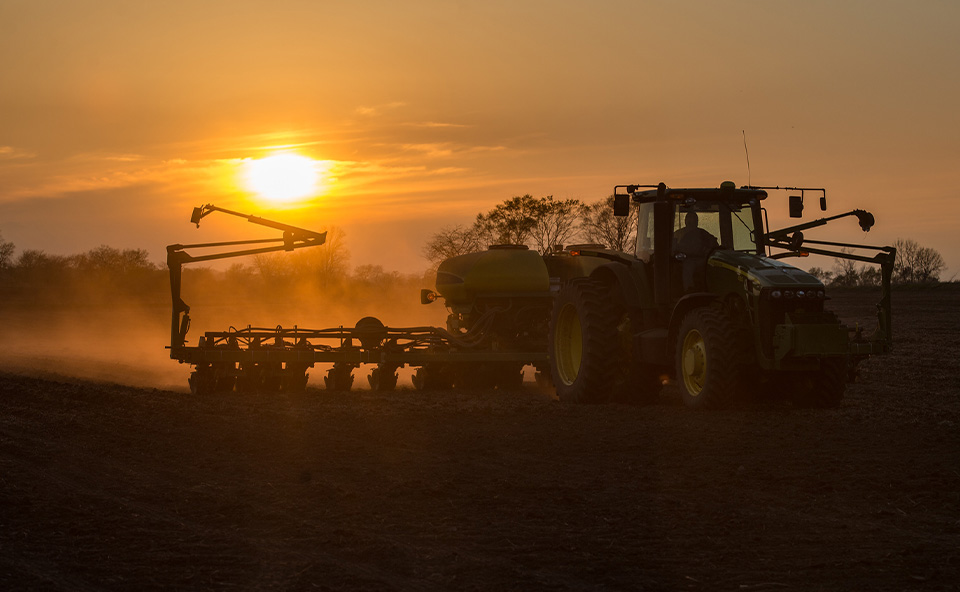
pixel 788 293
pixel 776 294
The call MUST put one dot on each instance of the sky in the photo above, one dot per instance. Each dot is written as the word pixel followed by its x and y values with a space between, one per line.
pixel 118 117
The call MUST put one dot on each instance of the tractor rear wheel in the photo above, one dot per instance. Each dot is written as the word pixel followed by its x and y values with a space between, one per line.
pixel 708 365
pixel 583 343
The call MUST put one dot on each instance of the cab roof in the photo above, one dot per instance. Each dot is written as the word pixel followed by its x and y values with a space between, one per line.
pixel 727 192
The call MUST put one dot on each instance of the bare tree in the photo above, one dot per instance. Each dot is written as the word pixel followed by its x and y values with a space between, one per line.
pixel 821 274
pixel 7 249
pixel 240 273
pixel 321 265
pixel 451 241
pixel 329 261
pixel 916 264
pixel 511 222
pixel 556 222
pixel 114 261
pixel 601 226
pixel 540 223
pixel 37 260
pixel 846 273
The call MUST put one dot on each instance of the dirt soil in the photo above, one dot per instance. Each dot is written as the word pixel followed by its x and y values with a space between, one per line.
pixel 111 487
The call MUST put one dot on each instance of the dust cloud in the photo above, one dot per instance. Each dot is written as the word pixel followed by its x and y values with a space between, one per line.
pixel 122 344
pixel 97 332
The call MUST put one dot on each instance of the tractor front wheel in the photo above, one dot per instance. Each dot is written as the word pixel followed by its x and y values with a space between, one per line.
pixel 708 368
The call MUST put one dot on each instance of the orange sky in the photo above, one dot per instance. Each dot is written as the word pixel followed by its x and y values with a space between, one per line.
pixel 116 118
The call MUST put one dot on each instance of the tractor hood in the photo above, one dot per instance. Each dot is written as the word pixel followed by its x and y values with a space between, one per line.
pixel 763 271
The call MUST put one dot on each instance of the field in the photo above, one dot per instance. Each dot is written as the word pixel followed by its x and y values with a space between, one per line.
pixel 119 485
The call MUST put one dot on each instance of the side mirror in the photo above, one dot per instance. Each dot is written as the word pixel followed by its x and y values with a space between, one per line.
pixel 621 205
pixel 796 206
pixel 823 203
pixel 427 296
pixel 195 217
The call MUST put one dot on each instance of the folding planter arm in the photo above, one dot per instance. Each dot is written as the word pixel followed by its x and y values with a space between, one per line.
pixel 293 238
pixel 795 245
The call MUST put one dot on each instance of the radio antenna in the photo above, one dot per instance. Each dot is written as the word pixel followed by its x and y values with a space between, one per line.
pixel 747 152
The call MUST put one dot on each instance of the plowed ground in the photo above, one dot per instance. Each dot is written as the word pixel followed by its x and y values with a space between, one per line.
pixel 110 487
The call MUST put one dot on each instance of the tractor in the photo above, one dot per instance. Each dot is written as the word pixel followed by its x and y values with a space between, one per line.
pixel 703 301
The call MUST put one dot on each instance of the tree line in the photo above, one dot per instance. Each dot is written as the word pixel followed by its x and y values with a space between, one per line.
pixel 914 265
pixel 103 274
pixel 540 223
pixel 41 277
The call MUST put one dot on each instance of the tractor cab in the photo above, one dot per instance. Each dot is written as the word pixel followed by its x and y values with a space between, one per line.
pixel 679 230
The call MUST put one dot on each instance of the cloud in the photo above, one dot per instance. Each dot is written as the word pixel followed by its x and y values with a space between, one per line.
pixel 125 157
pixel 431 150
pixel 436 124
pixel 102 171
pixel 486 148
pixel 377 110
pixel 447 149
pixel 9 152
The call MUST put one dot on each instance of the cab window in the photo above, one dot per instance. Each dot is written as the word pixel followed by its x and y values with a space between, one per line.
pixel 741 223
pixel 645 232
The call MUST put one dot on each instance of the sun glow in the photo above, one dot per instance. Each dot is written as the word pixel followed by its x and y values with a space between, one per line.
pixel 284 177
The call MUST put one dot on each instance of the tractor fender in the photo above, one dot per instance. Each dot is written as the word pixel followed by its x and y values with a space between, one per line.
pixel 628 281
pixel 685 305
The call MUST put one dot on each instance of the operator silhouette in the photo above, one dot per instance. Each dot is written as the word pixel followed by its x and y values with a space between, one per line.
pixel 695 244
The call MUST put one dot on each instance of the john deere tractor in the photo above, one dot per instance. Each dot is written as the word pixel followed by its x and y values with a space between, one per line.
pixel 705 299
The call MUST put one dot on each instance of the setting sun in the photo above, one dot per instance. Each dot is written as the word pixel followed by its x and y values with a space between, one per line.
pixel 283 177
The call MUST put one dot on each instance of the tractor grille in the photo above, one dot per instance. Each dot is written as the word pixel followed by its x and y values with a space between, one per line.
pixel 776 304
